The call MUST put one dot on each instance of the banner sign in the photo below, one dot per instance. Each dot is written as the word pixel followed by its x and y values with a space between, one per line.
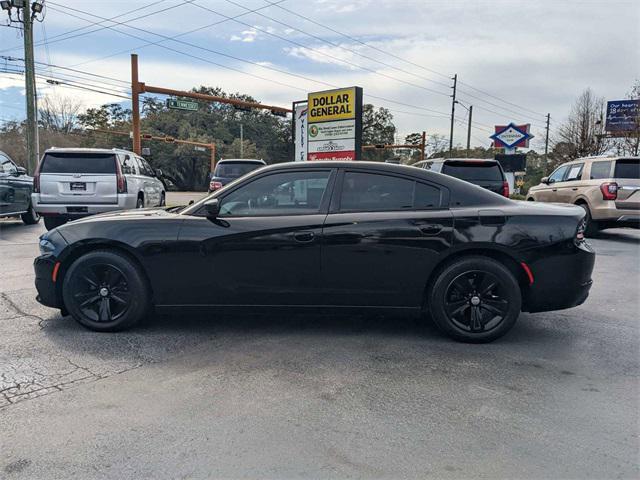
pixel 623 116
pixel 511 136
pixel 300 131
pixel 335 124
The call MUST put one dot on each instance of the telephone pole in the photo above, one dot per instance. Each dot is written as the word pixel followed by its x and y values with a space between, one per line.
pixel 546 143
pixel 469 130
pixel 453 112
pixel 25 13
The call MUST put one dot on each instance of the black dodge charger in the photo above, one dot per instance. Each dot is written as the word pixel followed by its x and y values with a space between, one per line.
pixel 344 235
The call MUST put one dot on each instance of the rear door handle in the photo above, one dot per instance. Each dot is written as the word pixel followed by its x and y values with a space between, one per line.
pixel 431 229
pixel 304 237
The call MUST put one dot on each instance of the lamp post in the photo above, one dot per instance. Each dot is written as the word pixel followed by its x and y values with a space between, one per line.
pixel 26 12
pixel 470 110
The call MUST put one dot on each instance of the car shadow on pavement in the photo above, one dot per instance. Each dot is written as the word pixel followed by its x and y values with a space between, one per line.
pixel 618 235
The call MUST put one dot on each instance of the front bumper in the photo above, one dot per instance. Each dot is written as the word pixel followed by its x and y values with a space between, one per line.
pixel 561 280
pixel 47 293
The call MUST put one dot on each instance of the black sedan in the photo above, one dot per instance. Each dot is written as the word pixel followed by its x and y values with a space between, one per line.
pixel 344 235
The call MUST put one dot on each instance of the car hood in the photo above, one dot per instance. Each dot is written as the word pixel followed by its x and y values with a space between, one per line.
pixel 135 214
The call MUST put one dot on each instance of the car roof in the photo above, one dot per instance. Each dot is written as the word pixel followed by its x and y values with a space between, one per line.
pixel 464 159
pixel 245 160
pixel 87 150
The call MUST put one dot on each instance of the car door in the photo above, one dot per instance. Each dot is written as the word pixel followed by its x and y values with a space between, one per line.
pixel 567 189
pixel 381 239
pixel 16 189
pixel 264 246
pixel 547 193
pixel 152 192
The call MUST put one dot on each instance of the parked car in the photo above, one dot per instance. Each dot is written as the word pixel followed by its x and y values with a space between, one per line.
pixel 231 169
pixel 486 173
pixel 15 191
pixel 359 235
pixel 72 183
pixel 607 188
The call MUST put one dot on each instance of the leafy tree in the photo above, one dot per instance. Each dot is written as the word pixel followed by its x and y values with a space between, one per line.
pixel 377 128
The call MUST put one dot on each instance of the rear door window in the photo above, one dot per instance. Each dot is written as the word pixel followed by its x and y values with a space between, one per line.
pixel 379 192
pixel 575 172
pixel 78 163
pixel 600 170
pixel 627 168
pixel 483 171
pixel 127 165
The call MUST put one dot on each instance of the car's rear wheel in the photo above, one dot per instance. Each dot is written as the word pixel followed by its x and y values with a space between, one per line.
pixel 53 222
pixel 105 291
pixel 140 202
pixel 475 299
pixel 30 217
pixel 163 199
pixel 591 226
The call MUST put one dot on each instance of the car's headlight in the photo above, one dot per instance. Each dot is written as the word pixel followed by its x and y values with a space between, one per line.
pixel 46 246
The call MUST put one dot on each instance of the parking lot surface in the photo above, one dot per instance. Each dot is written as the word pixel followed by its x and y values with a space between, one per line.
pixel 323 395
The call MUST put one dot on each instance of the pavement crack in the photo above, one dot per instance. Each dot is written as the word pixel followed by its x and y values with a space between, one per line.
pixel 20 311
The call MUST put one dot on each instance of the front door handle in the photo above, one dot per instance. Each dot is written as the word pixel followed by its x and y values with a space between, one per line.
pixel 554 189
pixel 431 229
pixel 574 188
pixel 304 237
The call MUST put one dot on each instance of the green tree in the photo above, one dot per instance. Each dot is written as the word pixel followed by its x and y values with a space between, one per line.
pixel 377 128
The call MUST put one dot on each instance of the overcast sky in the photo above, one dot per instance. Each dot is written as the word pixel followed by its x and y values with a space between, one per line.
pixel 516 60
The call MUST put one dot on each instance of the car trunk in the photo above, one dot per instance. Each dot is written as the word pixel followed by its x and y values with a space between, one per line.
pixel 627 176
pixel 78 178
pixel 482 173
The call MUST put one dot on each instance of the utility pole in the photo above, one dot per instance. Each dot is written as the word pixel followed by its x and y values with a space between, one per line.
pixel 25 13
pixel 423 144
pixel 546 143
pixel 135 104
pixel 241 142
pixel 469 130
pixel 453 113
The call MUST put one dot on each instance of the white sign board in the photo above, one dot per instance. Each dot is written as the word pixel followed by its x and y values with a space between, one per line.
pixel 332 130
pixel 346 144
pixel 300 132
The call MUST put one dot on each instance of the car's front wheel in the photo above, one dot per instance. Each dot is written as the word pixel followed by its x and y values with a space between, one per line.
pixel 475 299
pixel 106 291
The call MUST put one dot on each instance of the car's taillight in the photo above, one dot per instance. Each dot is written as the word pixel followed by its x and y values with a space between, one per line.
pixel 121 182
pixel 36 179
pixel 505 189
pixel 609 190
pixel 215 185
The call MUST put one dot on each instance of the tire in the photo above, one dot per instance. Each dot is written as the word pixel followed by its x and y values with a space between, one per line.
pixel 163 200
pixel 591 227
pixel 457 288
pixel 30 217
pixel 140 202
pixel 52 222
pixel 105 291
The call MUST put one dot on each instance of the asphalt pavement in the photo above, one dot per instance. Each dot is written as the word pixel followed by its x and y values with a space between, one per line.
pixel 320 396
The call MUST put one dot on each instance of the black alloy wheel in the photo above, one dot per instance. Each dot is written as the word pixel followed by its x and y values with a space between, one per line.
pixel 475 299
pixel 30 217
pixel 105 291
pixel 591 227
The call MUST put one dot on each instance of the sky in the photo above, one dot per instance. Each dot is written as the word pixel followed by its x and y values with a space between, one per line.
pixel 516 61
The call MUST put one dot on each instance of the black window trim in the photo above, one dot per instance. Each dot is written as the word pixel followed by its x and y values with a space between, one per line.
pixel 337 191
pixel 324 203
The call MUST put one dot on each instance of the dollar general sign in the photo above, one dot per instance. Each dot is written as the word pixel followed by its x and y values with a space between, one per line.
pixel 335 124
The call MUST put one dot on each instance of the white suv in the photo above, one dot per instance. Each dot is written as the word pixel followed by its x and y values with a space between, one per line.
pixel 75 182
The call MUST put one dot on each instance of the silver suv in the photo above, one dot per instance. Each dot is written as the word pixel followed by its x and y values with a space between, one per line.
pixel 76 182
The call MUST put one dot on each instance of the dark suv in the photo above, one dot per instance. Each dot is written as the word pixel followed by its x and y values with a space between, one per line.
pixel 15 191
pixel 486 173
pixel 230 169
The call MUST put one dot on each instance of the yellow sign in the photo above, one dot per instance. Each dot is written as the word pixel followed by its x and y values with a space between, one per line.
pixel 332 105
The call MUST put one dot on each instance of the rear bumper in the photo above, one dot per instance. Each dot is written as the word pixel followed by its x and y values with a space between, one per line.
pixel 46 287
pixel 76 210
pixel 560 281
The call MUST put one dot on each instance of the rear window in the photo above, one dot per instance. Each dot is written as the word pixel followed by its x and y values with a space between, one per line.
pixel 474 171
pixel 627 169
pixel 78 163
pixel 235 169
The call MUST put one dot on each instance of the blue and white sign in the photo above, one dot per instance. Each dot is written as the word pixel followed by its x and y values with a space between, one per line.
pixel 623 116
pixel 511 136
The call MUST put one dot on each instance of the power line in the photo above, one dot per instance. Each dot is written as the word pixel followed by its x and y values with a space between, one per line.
pixel 284 72
pixel 310 20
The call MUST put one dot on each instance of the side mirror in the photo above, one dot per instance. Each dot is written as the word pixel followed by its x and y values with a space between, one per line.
pixel 545 180
pixel 212 208
pixel 158 173
pixel 20 171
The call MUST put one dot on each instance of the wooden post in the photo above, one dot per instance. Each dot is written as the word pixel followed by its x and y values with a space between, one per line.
pixel 135 105
pixel 423 144
pixel 213 157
